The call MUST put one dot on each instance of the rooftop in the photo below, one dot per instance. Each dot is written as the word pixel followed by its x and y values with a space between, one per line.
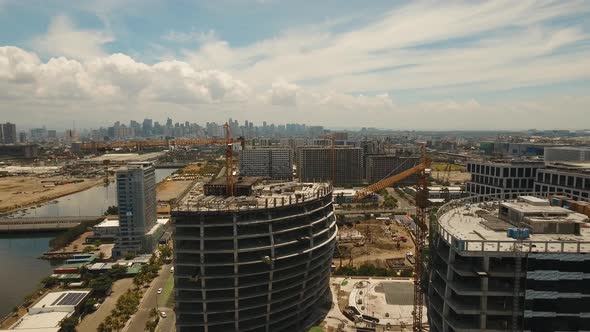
pixel 109 222
pixel 576 148
pixel 264 194
pixel 60 301
pixel 41 322
pixel 479 227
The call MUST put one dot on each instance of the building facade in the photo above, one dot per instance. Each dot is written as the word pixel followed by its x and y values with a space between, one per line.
pixel 480 279
pixel 567 153
pixel 318 163
pixel 273 163
pixel 256 263
pixel 9 133
pixel 382 166
pixel 136 199
pixel 501 177
pixel 572 180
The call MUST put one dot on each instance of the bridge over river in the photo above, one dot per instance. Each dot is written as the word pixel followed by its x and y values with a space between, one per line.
pixel 43 224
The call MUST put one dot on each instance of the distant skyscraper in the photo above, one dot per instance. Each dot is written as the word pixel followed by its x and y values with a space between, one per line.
pixel 136 198
pixel 9 133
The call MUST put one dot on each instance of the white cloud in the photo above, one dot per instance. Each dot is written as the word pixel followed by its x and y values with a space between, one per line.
pixel 63 39
pixel 485 42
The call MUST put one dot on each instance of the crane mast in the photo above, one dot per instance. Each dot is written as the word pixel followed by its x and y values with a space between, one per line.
pixel 421 225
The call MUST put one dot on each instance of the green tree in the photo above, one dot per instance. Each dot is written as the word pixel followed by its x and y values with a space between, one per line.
pixel 112 210
pixel 69 324
pixel 118 272
pixel 49 282
pixel 166 251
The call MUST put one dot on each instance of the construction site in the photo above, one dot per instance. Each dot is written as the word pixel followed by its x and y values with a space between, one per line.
pixel 382 243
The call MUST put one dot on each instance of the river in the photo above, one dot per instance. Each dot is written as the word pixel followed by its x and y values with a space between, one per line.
pixel 21 268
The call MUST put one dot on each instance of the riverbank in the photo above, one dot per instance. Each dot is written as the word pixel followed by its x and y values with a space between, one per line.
pixel 19 192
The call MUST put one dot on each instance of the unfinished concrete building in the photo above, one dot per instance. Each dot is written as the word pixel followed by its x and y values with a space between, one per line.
pixel 321 163
pixel 273 163
pixel 382 166
pixel 566 178
pixel 518 265
pixel 254 263
pixel 501 177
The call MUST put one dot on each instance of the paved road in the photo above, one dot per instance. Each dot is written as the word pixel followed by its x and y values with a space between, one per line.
pixel 149 302
pixel 90 322
pixel 402 203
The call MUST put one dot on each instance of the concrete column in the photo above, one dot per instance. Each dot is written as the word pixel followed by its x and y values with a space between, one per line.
pixel 270 277
pixel 236 271
pixel 202 259
pixel 484 293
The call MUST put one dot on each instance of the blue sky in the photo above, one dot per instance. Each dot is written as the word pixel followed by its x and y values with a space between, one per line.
pixel 404 65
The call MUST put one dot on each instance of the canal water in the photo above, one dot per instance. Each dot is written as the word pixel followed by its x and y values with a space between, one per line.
pixel 21 270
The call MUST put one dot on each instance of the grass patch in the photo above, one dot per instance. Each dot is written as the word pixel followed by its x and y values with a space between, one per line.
pixel 166 299
pixel 442 167
pixel 316 329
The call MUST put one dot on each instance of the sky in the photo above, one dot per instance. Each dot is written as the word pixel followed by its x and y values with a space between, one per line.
pixel 436 65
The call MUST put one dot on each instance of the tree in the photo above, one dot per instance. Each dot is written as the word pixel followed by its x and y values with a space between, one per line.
pixel 118 272
pixel 151 325
pixel 69 324
pixel 166 251
pixel 112 210
pixel 49 282
pixel 88 249
pixel 129 256
pixel 101 255
pixel 101 285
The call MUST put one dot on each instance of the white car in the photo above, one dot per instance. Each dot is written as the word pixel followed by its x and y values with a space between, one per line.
pixel 159 290
pixel 163 314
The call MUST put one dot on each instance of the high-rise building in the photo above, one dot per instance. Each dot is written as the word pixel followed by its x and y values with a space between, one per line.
pixel 570 179
pixel 136 199
pixel 9 133
pixel 501 177
pixel 382 166
pixel 567 153
pixel 317 164
pixel 259 262
pixel 273 163
pixel 518 265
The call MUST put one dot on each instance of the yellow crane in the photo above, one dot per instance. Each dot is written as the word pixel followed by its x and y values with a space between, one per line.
pixel 228 141
pixel 421 224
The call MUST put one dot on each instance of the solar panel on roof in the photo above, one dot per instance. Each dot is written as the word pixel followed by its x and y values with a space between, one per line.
pixel 72 299
pixel 58 299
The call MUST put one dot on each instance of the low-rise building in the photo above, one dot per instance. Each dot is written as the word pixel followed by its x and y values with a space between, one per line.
pixel 47 314
pixel 107 229
pixel 501 177
pixel 570 179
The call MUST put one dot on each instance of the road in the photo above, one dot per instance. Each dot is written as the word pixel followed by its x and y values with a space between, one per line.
pixel 150 298
pixel 402 203
pixel 90 322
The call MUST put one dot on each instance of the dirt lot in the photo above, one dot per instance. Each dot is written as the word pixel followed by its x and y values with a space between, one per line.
pixel 20 191
pixel 454 176
pixel 168 190
pixel 378 244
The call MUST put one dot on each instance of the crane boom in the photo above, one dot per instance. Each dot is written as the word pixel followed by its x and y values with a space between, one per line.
pixel 375 187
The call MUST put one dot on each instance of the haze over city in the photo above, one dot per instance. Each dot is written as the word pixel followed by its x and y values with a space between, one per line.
pixel 401 65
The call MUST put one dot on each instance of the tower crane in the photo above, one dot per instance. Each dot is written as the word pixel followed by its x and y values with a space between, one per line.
pixel 421 224
pixel 228 141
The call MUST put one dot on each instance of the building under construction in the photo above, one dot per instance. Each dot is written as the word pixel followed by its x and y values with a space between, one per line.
pixel 518 265
pixel 257 262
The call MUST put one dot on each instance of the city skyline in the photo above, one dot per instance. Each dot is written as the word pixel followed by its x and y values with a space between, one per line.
pixel 406 65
